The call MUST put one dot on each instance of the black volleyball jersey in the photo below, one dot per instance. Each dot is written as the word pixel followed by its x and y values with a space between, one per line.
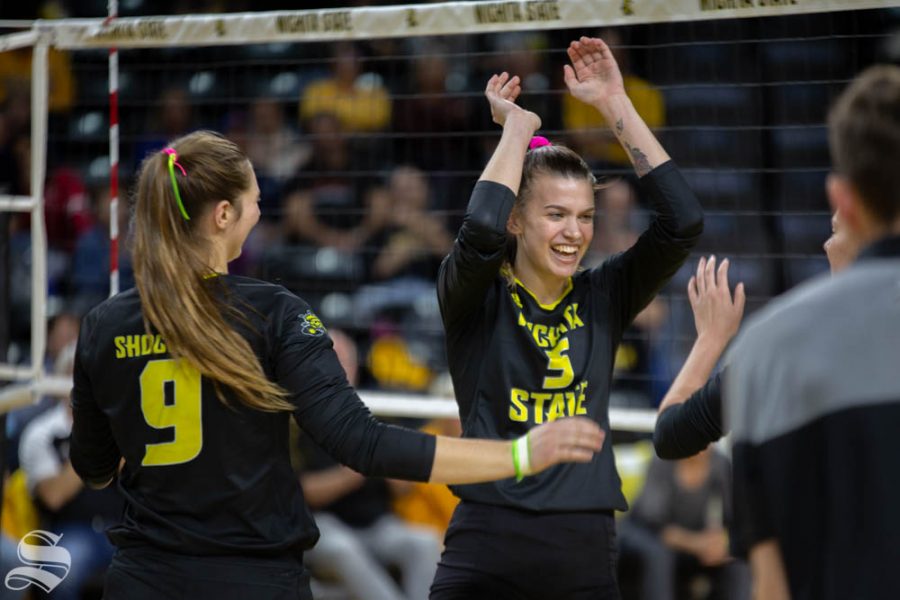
pixel 204 478
pixel 516 363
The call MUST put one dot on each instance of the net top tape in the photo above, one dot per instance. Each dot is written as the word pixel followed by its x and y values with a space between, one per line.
pixel 412 20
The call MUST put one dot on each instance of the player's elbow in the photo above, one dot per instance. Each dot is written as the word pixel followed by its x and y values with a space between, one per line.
pixel 664 447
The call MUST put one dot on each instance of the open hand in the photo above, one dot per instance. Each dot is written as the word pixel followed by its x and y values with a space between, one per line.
pixel 572 439
pixel 593 75
pixel 501 92
pixel 715 313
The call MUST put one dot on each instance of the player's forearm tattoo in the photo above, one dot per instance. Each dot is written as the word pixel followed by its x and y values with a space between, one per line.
pixel 641 163
pixel 620 127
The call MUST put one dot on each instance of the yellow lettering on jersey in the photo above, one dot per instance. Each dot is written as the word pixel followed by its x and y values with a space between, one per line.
pixel 539 407
pixel 579 408
pixel 518 412
pixel 183 415
pixel 131 346
pixel 557 361
pixel 553 335
pixel 557 407
pixel 548 336
pixel 539 399
pixel 571 316
pixel 540 335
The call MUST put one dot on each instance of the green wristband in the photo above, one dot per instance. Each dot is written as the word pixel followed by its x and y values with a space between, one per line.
pixel 515 457
pixel 521 451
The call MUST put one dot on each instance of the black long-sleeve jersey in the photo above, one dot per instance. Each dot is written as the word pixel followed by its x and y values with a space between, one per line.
pixel 685 429
pixel 516 364
pixel 204 478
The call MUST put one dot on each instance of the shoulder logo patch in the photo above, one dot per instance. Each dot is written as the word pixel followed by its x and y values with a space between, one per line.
pixel 311 324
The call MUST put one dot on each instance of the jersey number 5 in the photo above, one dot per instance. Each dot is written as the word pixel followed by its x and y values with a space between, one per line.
pixel 557 361
pixel 171 398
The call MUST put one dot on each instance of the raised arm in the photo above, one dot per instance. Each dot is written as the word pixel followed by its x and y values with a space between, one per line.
pixel 717 317
pixel 595 79
pixel 505 165
pixel 480 248
pixel 690 416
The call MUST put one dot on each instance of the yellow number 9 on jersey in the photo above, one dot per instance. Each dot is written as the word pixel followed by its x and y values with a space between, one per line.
pixel 182 414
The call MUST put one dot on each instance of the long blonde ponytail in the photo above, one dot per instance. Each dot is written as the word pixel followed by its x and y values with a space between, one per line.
pixel 172 273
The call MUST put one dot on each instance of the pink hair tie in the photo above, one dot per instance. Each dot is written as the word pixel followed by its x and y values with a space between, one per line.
pixel 538 142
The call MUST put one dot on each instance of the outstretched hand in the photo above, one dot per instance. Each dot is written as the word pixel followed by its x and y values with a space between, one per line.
pixel 593 75
pixel 501 93
pixel 572 439
pixel 716 314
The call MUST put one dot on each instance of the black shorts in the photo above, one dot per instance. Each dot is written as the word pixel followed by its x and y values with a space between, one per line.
pixel 494 552
pixel 151 574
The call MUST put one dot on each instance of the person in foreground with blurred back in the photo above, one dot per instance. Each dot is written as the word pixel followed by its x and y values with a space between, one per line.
pixel 531 338
pixel 189 381
pixel 813 396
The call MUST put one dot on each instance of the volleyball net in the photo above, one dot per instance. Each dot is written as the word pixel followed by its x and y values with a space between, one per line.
pixel 367 128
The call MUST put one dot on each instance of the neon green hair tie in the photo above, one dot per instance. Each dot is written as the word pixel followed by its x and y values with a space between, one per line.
pixel 173 162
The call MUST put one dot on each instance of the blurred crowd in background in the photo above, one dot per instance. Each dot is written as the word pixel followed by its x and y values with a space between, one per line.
pixel 365 154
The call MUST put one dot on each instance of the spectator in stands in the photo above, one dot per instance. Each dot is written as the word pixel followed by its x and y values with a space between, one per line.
pixel 406 246
pixel 16 119
pixel 677 529
pixel 590 134
pixel 324 206
pixel 359 100
pixel 273 145
pixel 524 53
pixel 90 262
pixel 359 534
pixel 62 331
pixel 413 241
pixel 432 109
pixel 66 215
pixel 67 508
pixel 173 119
pixel 15 77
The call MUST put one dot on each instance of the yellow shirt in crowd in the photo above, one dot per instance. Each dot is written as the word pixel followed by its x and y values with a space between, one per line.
pixel 362 108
